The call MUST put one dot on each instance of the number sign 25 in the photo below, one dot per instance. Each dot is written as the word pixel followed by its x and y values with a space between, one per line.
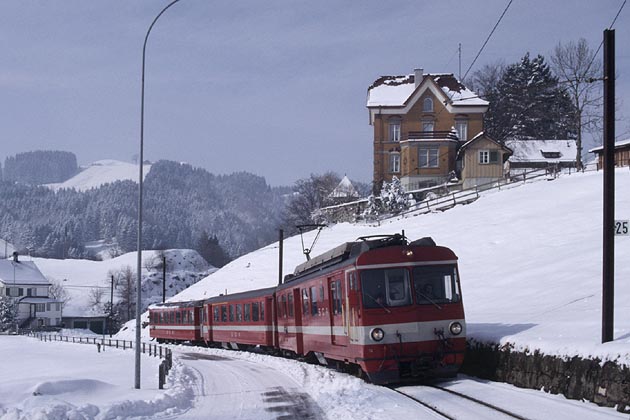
pixel 622 228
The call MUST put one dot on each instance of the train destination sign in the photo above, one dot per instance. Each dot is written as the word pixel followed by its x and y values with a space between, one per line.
pixel 622 228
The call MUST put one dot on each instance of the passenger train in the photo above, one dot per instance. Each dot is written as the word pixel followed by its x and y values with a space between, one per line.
pixel 381 306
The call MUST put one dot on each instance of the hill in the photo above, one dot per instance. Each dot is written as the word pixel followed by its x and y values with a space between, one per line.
pixel 82 277
pixel 101 172
pixel 529 259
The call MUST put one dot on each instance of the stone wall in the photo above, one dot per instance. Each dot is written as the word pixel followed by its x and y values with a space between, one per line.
pixel 606 384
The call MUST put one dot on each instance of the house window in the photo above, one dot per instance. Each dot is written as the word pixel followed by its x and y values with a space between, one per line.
pixel 462 130
pixel 394 130
pixel 488 156
pixel 428 158
pixel 427 104
pixel 394 162
pixel 428 125
pixel 40 307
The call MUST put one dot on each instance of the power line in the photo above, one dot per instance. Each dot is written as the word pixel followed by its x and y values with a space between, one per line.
pixel 488 39
pixel 602 43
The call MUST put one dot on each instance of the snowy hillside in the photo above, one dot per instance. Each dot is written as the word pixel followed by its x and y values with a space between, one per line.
pixel 80 277
pixel 530 262
pixel 101 172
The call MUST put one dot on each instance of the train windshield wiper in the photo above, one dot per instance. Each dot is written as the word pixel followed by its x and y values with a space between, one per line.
pixel 428 299
pixel 378 303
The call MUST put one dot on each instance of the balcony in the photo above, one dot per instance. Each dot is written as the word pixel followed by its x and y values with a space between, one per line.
pixel 430 136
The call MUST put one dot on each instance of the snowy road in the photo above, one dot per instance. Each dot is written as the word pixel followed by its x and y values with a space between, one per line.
pixel 240 389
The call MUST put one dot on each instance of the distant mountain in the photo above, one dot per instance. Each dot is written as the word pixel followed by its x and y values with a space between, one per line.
pixel 101 172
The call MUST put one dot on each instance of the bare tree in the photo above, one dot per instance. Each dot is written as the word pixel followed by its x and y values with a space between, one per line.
pixel 126 292
pixel 59 292
pixel 95 297
pixel 309 195
pixel 574 64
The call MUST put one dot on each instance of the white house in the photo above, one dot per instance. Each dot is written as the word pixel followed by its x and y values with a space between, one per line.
pixel 29 288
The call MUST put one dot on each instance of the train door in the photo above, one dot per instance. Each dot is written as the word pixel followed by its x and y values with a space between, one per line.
pixel 296 311
pixel 353 306
pixel 338 325
pixel 270 308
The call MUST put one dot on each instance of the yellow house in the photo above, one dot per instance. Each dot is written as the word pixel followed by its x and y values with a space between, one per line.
pixel 420 122
pixel 481 160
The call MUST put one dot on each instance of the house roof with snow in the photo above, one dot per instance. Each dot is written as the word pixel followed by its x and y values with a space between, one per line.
pixel 399 91
pixel 550 151
pixel 345 189
pixel 22 273
pixel 618 145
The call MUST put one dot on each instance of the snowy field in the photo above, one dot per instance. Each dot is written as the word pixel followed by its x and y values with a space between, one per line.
pixel 102 172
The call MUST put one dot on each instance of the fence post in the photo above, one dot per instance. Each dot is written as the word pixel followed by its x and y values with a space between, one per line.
pixel 161 376
pixel 124 344
pixel 143 348
pixel 160 352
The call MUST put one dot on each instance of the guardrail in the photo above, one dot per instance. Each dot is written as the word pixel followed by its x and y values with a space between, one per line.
pixel 147 348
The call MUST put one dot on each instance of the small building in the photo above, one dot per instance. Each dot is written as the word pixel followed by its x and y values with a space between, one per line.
pixel 343 192
pixel 95 323
pixel 542 154
pixel 29 288
pixel 622 154
pixel 480 160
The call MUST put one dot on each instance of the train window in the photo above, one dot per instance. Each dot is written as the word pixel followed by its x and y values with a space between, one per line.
pixel 262 311
pixel 385 287
pixel 335 289
pixel 435 284
pixel 223 313
pixel 216 312
pixel 313 300
pixel 191 317
pixel 184 317
pixel 247 309
pixel 353 281
pixel 290 305
pixel 255 311
pixel 239 313
pixel 178 317
pixel 283 309
pixel 231 313
pixel 172 316
pixel 305 302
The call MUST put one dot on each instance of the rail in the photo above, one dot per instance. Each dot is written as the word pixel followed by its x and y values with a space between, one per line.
pixel 101 342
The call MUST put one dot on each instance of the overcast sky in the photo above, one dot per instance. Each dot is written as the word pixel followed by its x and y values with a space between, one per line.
pixel 276 88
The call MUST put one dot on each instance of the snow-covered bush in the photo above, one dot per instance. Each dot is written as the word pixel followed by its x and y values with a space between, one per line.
pixel 394 198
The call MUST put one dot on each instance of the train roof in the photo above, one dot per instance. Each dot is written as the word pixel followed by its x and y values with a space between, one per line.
pixel 182 304
pixel 351 250
pixel 242 295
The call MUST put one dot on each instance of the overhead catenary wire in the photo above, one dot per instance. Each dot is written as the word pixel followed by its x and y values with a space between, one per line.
pixel 488 38
pixel 602 43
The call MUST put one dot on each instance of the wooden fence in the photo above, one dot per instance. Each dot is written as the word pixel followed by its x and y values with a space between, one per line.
pixel 100 342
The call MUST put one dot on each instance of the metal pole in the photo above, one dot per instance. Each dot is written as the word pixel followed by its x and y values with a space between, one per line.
pixel 280 247
pixel 164 280
pixel 111 307
pixel 139 274
pixel 608 283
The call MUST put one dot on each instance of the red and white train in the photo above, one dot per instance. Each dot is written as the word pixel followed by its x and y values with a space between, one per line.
pixel 389 308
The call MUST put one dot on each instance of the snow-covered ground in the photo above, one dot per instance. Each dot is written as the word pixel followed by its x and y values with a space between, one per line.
pixel 530 263
pixel 79 277
pixel 102 172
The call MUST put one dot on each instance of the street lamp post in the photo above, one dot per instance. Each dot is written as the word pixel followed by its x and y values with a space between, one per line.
pixel 140 190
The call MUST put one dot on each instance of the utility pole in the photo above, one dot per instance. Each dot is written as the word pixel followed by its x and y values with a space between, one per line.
pixel 459 50
pixel 164 279
pixel 280 247
pixel 111 307
pixel 608 283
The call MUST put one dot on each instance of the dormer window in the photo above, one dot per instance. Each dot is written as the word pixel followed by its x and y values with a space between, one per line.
pixel 551 155
pixel 427 104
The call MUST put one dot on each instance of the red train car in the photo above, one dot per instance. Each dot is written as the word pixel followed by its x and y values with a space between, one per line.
pixel 241 319
pixel 176 321
pixel 390 307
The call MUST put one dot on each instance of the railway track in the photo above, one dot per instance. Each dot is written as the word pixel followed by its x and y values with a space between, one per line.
pixel 447 413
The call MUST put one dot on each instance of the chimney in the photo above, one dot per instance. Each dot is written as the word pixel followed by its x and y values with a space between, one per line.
pixel 418 76
pixel 15 256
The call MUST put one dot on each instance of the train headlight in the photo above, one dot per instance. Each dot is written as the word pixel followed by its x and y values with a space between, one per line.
pixel 377 334
pixel 408 253
pixel 455 328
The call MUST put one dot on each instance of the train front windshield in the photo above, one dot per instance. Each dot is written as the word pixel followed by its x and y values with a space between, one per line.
pixel 391 287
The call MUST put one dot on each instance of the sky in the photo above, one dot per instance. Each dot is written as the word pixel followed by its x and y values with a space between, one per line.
pixel 275 88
